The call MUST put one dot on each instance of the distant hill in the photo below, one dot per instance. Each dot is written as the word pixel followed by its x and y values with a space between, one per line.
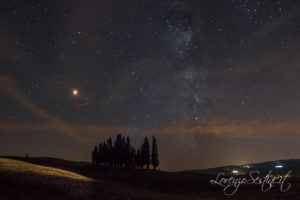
pixel 277 166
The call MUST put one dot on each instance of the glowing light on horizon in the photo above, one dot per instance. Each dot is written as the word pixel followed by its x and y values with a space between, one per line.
pixel 278 166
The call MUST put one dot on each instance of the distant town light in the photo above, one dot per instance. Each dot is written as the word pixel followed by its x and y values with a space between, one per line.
pixel 278 166
pixel 235 171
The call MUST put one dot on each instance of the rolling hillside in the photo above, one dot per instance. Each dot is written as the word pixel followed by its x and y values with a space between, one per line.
pixel 51 178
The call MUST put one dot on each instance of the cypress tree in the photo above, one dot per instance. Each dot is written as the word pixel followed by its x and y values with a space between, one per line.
pixel 138 159
pixel 109 152
pixel 104 150
pixel 123 152
pixel 154 155
pixel 128 153
pixel 146 153
pixel 132 157
pixel 118 150
pixel 100 155
pixel 94 156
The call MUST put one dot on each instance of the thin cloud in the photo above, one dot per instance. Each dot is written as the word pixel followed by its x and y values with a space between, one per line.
pixel 81 133
pixel 235 128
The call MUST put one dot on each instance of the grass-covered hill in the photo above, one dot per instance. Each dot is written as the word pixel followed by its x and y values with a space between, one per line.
pixel 51 178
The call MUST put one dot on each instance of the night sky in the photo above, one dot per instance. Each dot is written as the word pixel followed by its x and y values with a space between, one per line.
pixel 217 82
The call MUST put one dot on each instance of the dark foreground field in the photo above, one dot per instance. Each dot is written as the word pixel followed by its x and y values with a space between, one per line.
pixel 49 178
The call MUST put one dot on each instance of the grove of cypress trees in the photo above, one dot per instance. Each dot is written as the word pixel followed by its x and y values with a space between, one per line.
pixel 121 154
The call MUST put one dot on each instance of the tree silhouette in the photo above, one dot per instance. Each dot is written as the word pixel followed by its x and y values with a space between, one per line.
pixel 118 150
pixel 146 153
pixel 109 152
pixel 120 153
pixel 154 155
pixel 123 152
pixel 127 152
pixel 138 159
pixel 94 156
pixel 104 152
pixel 132 158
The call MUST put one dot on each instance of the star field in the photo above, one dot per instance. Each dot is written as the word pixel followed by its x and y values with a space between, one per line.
pixel 215 81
